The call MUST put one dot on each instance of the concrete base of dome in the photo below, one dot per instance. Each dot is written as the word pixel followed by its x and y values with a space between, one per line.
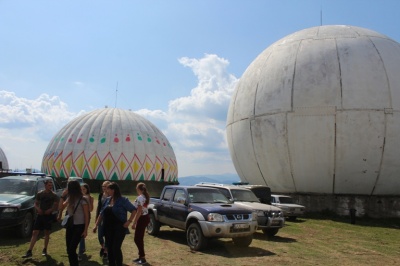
pixel 364 206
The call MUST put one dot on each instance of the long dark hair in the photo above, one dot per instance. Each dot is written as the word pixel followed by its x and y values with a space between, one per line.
pixel 117 192
pixel 143 189
pixel 74 194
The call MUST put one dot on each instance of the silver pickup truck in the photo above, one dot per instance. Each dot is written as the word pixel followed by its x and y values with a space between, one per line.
pixel 203 213
pixel 270 219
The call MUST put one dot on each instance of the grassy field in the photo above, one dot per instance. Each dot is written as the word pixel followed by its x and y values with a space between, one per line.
pixel 313 240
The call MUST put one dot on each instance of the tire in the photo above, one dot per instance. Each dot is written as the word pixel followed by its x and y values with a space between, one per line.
pixel 270 232
pixel 25 228
pixel 195 238
pixel 244 241
pixel 153 228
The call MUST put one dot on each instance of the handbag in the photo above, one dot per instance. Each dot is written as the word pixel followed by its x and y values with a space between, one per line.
pixel 69 219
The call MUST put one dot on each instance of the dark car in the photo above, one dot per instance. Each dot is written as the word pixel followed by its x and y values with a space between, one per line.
pixel 17 200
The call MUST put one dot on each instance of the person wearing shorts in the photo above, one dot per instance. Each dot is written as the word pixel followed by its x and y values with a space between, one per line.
pixel 45 204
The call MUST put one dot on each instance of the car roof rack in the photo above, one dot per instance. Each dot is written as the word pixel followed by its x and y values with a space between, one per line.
pixel 211 183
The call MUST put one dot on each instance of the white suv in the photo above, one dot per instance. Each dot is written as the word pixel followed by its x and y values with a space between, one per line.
pixel 289 208
pixel 270 219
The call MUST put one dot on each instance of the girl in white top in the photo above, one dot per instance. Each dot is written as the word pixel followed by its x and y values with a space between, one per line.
pixel 141 220
pixel 78 206
pixel 86 193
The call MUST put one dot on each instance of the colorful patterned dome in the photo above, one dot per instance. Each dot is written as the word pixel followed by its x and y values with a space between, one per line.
pixel 111 144
pixel 3 161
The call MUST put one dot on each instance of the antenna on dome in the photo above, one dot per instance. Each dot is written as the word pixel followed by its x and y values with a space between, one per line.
pixel 116 95
pixel 320 16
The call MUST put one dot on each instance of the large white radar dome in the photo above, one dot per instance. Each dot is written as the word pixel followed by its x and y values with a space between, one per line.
pixel 111 144
pixel 319 112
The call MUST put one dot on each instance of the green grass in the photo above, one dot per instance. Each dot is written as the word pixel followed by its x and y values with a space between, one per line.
pixel 313 240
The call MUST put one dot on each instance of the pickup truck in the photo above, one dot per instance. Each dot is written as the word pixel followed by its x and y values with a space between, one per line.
pixel 289 207
pixel 204 213
pixel 270 218
pixel 17 199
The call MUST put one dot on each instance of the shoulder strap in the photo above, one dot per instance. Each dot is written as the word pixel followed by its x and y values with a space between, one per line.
pixel 77 205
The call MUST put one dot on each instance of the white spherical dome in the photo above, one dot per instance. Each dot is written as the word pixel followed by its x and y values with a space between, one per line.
pixel 318 112
pixel 111 144
pixel 3 161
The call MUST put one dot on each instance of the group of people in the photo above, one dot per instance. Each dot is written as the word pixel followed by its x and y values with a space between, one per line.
pixel 111 223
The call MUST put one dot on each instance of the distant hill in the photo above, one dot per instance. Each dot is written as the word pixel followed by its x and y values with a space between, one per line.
pixel 221 179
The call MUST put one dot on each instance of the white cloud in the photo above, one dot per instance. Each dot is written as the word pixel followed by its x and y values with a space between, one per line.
pixel 211 97
pixel 78 83
pixel 195 124
pixel 28 125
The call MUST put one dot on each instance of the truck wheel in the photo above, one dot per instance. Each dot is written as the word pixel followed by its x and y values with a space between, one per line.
pixel 195 238
pixel 25 228
pixel 243 241
pixel 270 232
pixel 153 228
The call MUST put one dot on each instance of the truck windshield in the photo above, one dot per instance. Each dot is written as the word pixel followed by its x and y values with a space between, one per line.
pixel 286 200
pixel 206 196
pixel 16 186
pixel 244 195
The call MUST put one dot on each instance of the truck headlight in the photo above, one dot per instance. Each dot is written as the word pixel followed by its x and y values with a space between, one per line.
pixel 215 217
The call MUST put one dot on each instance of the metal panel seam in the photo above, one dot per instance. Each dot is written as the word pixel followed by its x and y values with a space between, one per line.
pixel 382 154
pixel 340 77
pixel 289 154
pixel 387 78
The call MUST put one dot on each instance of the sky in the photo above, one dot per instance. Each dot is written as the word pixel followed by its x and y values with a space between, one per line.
pixel 176 63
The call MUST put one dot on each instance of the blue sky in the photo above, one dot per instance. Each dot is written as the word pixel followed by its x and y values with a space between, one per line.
pixel 174 62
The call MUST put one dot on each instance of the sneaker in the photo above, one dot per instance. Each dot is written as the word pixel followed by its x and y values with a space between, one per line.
pixel 136 261
pixel 28 254
pixel 142 261
pixel 79 257
pixel 44 252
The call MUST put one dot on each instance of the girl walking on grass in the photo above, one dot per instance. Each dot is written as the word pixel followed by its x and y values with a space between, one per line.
pixel 100 232
pixel 141 220
pixel 113 215
pixel 78 207
pixel 86 193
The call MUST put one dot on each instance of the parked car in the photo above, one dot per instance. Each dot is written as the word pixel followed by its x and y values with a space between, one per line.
pixel 204 213
pixel 17 200
pixel 270 218
pixel 289 207
pixel 77 178
pixel 263 193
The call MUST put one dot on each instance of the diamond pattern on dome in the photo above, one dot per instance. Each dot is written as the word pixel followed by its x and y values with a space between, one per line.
pixel 110 144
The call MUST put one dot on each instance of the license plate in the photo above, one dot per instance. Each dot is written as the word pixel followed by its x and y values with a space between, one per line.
pixel 275 222
pixel 240 226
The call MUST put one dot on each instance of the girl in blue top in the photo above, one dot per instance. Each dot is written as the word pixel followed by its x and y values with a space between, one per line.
pixel 113 215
